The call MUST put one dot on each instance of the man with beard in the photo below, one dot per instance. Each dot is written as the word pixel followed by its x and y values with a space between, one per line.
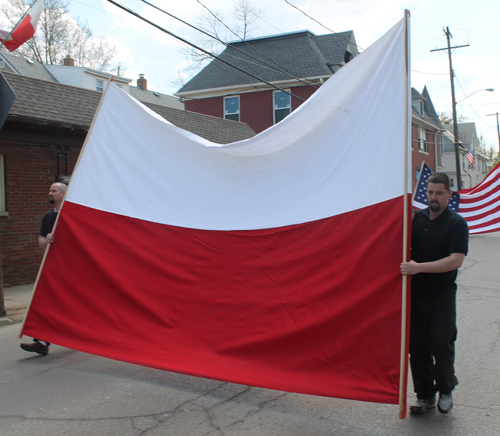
pixel 439 245
pixel 56 195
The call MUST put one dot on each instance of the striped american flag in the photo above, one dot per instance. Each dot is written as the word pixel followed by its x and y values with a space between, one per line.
pixel 480 206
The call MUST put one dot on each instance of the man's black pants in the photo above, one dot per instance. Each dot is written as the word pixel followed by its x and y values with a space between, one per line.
pixel 433 332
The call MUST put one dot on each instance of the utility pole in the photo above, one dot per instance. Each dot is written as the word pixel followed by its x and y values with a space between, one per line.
pixel 454 106
pixel 498 129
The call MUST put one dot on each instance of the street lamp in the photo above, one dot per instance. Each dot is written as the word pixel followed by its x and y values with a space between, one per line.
pixel 455 125
pixel 486 89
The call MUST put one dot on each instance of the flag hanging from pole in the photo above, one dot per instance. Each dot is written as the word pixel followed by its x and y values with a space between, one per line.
pixel 24 30
pixel 479 206
pixel 470 157
pixel 271 262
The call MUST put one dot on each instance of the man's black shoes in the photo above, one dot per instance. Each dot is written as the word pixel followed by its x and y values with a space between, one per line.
pixel 36 347
pixel 421 406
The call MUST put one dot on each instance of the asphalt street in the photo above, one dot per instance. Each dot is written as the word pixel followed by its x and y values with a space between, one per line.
pixel 73 393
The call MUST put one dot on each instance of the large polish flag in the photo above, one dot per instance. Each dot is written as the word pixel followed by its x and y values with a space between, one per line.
pixel 24 30
pixel 271 262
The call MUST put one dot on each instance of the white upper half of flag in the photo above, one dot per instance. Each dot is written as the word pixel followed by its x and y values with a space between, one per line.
pixel 342 150
pixel 35 13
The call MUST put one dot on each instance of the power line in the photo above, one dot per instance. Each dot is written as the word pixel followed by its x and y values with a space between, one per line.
pixel 130 11
pixel 261 62
pixel 250 45
pixel 314 19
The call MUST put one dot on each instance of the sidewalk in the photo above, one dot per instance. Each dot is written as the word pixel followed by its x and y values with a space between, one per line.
pixel 16 301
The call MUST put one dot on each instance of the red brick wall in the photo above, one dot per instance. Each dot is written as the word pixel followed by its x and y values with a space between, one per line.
pixel 29 172
pixel 418 157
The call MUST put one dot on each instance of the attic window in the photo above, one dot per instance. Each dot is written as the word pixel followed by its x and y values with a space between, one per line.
pixel 232 108
pixel 418 104
pixel 99 85
pixel 347 57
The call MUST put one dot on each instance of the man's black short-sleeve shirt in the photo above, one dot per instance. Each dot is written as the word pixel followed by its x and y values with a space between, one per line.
pixel 48 222
pixel 433 240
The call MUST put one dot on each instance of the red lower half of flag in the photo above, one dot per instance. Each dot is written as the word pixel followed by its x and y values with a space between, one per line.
pixel 21 34
pixel 311 308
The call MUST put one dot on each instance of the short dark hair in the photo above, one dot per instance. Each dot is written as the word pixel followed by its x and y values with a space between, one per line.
pixel 440 178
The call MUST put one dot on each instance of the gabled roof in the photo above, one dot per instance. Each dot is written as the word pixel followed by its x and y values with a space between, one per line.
pixel 299 54
pixel 467 134
pixel 147 96
pixel 27 68
pixel 49 103
pixel 429 115
pixel 60 72
pixel 24 67
pixel 429 108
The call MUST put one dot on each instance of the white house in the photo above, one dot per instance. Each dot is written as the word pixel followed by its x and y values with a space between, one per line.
pixel 469 143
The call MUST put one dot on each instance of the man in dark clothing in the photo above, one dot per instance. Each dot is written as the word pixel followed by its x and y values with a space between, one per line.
pixel 439 245
pixel 56 196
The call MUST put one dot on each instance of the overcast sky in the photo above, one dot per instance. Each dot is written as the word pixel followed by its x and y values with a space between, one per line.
pixel 144 49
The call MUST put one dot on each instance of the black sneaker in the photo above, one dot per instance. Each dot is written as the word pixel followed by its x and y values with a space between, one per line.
pixel 445 403
pixel 36 347
pixel 421 406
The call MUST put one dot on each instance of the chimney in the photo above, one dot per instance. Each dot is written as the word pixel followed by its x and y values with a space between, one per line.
pixel 68 61
pixel 142 82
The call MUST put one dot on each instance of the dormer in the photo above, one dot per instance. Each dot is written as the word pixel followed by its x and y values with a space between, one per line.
pixel 418 101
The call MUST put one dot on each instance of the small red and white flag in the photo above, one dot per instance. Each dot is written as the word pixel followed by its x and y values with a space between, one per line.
pixel 24 30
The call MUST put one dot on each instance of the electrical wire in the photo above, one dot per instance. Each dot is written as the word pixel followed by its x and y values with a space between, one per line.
pixel 314 19
pixel 130 11
pixel 261 62
pixel 253 47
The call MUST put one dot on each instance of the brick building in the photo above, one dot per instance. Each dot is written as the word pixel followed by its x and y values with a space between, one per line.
pixel 40 142
pixel 298 63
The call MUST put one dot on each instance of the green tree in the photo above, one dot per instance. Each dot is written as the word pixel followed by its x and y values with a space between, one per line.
pixel 59 35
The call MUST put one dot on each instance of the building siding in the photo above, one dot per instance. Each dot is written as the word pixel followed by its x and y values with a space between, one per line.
pixel 256 108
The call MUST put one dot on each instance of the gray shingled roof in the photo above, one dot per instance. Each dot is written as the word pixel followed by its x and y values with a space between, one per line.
pixel 28 68
pixel 430 115
pixel 302 54
pixel 467 133
pixel 155 98
pixel 50 103
pixel 429 108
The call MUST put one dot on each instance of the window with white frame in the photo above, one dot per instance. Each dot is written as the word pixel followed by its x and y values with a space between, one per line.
pixel 422 142
pixel 282 104
pixel 2 184
pixel 232 108
pixel 99 85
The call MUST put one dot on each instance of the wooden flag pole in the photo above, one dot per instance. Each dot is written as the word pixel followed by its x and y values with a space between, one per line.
pixel 62 204
pixel 404 351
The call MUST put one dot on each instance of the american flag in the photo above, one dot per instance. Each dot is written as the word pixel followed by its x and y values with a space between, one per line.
pixel 470 157
pixel 480 206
